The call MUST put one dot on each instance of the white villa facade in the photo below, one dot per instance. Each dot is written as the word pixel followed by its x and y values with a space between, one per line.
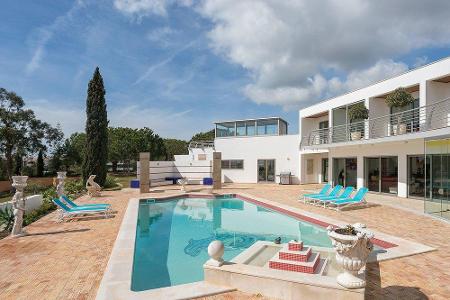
pixel 399 151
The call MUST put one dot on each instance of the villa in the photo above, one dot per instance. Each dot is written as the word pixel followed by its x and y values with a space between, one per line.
pixel 400 151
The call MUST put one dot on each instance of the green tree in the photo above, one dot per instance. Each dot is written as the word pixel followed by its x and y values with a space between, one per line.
pixel 40 164
pixel 123 145
pixel 74 151
pixel 96 154
pixel 18 160
pixel 21 130
pixel 204 136
pixel 175 147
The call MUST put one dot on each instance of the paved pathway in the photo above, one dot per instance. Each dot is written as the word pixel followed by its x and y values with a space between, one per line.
pixel 67 260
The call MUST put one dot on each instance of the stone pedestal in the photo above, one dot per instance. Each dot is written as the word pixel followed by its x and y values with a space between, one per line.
pixel 215 252
pixel 19 183
pixel 217 170
pixel 60 187
pixel 144 173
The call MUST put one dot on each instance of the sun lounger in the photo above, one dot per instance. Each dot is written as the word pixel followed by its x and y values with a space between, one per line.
pixel 71 212
pixel 323 192
pixel 358 199
pixel 334 192
pixel 72 204
pixel 345 195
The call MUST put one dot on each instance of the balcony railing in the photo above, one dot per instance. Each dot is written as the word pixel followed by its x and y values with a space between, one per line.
pixel 424 118
pixel 201 144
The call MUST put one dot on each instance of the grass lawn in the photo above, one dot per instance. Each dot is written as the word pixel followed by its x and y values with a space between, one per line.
pixel 5 198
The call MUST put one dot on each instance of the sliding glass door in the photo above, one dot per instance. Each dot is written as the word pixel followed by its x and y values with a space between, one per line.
pixel 266 170
pixel 344 171
pixel 381 174
pixel 324 169
pixel 418 173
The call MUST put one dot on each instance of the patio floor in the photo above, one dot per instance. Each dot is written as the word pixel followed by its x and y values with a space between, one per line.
pixel 67 260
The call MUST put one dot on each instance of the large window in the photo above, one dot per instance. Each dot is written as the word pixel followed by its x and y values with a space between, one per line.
pixel 381 174
pixel 233 164
pixel 267 127
pixel 344 171
pixel 225 129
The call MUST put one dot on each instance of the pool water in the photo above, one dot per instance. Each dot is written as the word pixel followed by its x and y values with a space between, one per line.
pixel 172 237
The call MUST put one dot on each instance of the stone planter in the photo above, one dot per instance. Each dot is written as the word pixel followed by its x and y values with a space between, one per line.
pixel 399 129
pixel 355 136
pixel 352 251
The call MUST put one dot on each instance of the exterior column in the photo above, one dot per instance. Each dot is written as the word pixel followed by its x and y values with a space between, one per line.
pixel 402 175
pixel 144 173
pixel 359 172
pixel 422 103
pixel 217 170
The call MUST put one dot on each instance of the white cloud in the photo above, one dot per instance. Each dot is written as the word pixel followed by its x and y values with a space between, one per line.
pixel 44 34
pixel 141 8
pixel 292 49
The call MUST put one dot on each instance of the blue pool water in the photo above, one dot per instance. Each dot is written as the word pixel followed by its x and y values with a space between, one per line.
pixel 172 236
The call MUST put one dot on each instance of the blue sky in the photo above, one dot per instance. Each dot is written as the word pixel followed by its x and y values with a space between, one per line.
pixel 178 66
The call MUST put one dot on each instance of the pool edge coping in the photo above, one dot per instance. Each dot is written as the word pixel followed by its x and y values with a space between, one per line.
pixel 116 280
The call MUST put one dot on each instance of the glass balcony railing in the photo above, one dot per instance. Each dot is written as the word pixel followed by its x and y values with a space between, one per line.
pixel 425 118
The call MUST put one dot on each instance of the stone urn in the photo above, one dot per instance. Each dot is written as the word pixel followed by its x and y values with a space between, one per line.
pixel 18 201
pixel 353 246
pixel 215 252
pixel 356 135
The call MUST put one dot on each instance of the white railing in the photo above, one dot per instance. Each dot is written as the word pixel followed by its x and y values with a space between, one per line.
pixel 201 144
pixel 424 118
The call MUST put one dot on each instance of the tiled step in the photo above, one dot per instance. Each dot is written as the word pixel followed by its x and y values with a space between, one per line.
pixel 308 266
pixel 295 246
pixel 301 255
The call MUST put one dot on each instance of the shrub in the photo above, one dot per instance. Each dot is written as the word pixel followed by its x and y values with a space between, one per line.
pixel 6 219
pixel 358 111
pixel 110 182
pixel 74 187
pixel 399 98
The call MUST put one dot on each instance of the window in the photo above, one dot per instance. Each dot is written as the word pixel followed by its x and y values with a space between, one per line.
pixel 240 129
pixel 225 129
pixel 267 127
pixel 233 164
pixel 324 169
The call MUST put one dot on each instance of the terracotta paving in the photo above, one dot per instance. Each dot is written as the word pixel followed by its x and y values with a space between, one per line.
pixel 67 260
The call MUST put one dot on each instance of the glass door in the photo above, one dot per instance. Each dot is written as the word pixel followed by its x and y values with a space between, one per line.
pixel 373 174
pixel 344 171
pixel 266 170
pixel 417 177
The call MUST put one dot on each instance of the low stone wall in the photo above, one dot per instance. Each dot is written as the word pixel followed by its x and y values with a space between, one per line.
pixel 5 185
pixel 31 203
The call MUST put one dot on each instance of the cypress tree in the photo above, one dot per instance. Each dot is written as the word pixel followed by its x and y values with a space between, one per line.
pixel 40 164
pixel 96 154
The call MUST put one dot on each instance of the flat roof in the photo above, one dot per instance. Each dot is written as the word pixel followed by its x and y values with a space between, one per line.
pixel 257 119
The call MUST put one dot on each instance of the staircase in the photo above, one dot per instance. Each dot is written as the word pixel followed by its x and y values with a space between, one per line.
pixel 297 258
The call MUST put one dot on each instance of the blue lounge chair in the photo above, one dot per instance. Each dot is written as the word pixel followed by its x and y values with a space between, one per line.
pixel 74 211
pixel 345 195
pixel 334 192
pixel 72 204
pixel 358 199
pixel 323 192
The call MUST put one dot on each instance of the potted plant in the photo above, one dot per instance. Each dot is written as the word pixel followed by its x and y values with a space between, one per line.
pixel 353 246
pixel 357 111
pixel 399 98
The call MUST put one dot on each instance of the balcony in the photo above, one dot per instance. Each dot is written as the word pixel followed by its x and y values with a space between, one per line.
pixel 421 119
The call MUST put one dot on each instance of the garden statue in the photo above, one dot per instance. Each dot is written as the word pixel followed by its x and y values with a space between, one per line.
pixel 60 187
pixel 353 246
pixel 19 183
pixel 92 187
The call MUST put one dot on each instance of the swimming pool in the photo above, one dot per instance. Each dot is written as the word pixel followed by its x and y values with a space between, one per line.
pixel 172 236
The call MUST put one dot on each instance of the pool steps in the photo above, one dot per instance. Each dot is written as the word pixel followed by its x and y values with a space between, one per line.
pixel 294 257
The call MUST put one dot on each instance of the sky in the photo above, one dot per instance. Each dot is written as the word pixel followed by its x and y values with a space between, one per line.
pixel 177 66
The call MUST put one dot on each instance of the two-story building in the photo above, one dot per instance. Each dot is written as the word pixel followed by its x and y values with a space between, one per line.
pixel 402 151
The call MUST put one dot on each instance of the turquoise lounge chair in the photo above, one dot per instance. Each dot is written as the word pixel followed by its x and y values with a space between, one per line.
pixel 74 211
pixel 323 192
pixel 72 204
pixel 334 192
pixel 345 195
pixel 356 200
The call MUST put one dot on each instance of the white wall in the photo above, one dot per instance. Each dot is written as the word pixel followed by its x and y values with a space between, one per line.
pixel 399 149
pixel 31 203
pixel 316 176
pixel 284 149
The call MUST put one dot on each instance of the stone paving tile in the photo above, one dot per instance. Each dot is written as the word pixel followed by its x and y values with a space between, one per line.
pixel 67 260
